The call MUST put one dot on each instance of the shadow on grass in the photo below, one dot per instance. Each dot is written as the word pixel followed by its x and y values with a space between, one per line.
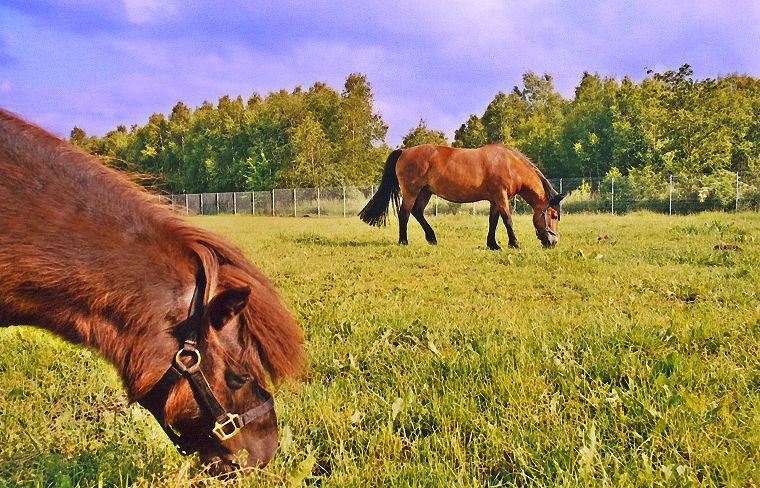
pixel 317 240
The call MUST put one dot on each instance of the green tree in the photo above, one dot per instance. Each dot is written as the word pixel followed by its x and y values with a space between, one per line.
pixel 422 135
pixel 313 162
pixel 78 137
pixel 361 133
pixel 470 134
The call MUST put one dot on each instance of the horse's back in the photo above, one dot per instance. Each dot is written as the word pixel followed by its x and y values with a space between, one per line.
pixel 457 174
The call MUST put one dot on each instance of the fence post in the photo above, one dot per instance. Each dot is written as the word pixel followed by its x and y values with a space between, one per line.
pixel 560 185
pixel 201 201
pixel 344 202
pixel 612 200
pixel 217 204
pixel 736 209
pixel 272 202
pixel 187 206
pixel 295 204
pixel 319 208
pixel 253 203
pixel 234 202
pixel 670 194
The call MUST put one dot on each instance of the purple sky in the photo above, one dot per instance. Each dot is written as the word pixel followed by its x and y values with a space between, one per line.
pixel 97 64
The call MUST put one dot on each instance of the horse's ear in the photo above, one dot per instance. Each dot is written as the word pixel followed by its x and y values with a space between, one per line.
pixel 226 306
pixel 556 199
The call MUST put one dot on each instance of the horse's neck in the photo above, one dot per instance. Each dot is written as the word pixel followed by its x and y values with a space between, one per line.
pixel 533 193
pixel 130 326
pixel 88 255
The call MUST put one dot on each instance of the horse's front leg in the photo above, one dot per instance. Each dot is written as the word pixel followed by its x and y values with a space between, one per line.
pixel 502 203
pixel 507 218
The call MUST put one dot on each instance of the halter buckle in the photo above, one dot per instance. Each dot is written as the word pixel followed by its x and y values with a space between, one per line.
pixel 228 427
pixel 188 350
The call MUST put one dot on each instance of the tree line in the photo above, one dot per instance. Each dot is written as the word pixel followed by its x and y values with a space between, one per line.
pixel 669 122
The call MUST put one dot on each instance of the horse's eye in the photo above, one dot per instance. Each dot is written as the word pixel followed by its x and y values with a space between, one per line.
pixel 234 380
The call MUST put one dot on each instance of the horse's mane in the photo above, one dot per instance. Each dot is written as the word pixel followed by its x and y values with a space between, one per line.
pixel 548 188
pixel 274 340
pixel 130 227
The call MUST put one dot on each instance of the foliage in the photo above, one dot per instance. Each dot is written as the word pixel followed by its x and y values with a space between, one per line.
pixel 422 135
pixel 626 356
pixel 669 123
pixel 313 138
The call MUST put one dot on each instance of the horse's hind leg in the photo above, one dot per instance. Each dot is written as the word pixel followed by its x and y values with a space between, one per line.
pixel 493 221
pixel 407 203
pixel 403 220
pixel 418 211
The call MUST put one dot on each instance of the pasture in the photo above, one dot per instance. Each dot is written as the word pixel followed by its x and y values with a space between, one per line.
pixel 628 355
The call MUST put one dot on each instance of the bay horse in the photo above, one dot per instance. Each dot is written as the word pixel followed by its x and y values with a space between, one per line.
pixel 494 173
pixel 90 256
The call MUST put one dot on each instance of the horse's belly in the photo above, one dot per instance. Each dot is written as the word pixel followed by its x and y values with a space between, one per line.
pixel 460 191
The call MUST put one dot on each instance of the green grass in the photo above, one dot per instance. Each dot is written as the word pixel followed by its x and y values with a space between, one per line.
pixel 627 356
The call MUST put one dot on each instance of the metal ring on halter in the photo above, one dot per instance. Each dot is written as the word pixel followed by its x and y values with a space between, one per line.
pixel 187 349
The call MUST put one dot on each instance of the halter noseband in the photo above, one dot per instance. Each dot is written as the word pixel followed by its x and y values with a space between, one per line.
pixel 186 364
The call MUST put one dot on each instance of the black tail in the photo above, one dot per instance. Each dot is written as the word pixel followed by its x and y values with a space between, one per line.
pixel 376 210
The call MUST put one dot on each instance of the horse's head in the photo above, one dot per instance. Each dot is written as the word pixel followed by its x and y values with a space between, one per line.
pixel 546 221
pixel 212 399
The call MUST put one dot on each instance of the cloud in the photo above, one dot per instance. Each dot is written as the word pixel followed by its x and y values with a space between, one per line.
pixel 118 61
pixel 148 11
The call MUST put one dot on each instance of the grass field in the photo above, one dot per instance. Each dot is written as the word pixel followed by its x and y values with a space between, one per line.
pixel 627 356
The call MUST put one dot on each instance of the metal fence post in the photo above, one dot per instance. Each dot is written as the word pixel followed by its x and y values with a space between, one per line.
pixel 344 202
pixel 612 199
pixel 319 209
pixel 670 194
pixel 234 202
pixel 201 202
pixel 736 209
pixel 187 205
pixel 560 185
pixel 253 203
pixel 295 204
pixel 217 204
pixel 272 202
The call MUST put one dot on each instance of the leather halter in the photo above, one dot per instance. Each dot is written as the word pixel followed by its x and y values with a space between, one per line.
pixel 547 230
pixel 186 364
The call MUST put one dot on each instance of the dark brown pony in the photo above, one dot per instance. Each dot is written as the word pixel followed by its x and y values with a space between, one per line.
pixel 91 257
pixel 494 173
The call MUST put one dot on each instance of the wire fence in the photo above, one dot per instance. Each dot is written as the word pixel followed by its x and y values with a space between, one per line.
pixel 673 194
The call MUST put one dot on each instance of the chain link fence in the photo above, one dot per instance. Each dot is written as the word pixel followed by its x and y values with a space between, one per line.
pixel 674 194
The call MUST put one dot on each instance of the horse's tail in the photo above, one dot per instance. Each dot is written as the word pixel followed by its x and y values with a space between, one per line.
pixel 376 210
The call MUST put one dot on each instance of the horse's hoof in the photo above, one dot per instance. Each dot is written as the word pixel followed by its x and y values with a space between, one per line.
pixel 514 245
pixel 433 242
pixel 403 243
pixel 494 247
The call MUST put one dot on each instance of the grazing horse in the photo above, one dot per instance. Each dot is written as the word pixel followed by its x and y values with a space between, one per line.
pixel 93 258
pixel 494 173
